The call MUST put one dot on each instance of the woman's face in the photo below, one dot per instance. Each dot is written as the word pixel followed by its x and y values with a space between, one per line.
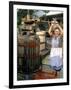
pixel 56 32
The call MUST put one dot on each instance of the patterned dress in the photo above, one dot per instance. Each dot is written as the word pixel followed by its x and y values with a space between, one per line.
pixel 56 54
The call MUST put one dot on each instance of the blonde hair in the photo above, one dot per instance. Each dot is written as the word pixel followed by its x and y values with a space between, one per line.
pixel 53 30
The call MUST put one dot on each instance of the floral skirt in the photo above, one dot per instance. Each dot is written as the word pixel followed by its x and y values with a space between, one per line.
pixel 56 60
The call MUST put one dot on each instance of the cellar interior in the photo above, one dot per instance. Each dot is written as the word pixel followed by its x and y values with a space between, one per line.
pixel 33 45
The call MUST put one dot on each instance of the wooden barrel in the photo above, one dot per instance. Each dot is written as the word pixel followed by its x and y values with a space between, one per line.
pixel 29 53
pixel 41 35
pixel 20 47
pixel 42 46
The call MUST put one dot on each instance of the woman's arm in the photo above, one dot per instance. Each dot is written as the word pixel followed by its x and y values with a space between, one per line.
pixel 61 30
pixel 50 30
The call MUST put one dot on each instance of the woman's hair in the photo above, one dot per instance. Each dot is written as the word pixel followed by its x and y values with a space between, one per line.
pixel 55 29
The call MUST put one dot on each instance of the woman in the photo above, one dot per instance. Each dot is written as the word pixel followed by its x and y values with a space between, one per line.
pixel 56 34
